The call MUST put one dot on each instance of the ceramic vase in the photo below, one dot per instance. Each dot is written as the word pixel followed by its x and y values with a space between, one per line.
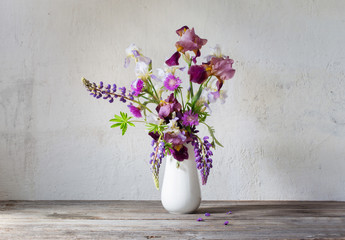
pixel 181 188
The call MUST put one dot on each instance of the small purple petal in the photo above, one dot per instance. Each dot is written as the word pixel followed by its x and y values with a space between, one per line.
pixel 226 222
pixel 207 214
pixel 200 219
pixel 127 62
pixel 135 53
pixel 229 212
pixel 173 60
pixel 154 77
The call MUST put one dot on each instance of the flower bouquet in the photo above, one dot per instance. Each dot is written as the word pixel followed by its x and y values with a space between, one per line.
pixel 170 111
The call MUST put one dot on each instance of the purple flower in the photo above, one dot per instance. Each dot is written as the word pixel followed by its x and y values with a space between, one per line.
pixel 197 74
pixel 190 119
pixel 179 153
pixel 189 41
pixel 175 139
pixel 222 69
pixel 137 86
pixel 207 214
pixel 200 219
pixel 166 107
pixel 156 160
pixel 229 212
pixel 173 60
pixel 202 155
pixel 135 111
pixel 172 82
pixel 226 222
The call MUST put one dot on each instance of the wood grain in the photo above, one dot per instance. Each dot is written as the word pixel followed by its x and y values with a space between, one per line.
pixel 148 220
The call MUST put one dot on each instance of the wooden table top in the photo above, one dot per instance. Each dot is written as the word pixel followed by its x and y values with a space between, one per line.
pixel 148 220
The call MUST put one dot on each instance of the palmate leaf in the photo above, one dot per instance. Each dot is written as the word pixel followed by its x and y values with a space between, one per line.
pixel 151 127
pixel 122 121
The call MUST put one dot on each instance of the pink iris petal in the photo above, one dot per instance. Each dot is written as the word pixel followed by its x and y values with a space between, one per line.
pixel 181 31
pixel 190 119
pixel 135 111
pixel 175 139
pixel 137 86
pixel 197 74
pixel 190 41
pixel 173 60
pixel 169 105
pixel 222 68
pixel 172 82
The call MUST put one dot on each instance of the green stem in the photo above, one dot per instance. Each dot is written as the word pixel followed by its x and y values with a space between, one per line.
pixel 157 98
pixel 184 107
pixel 191 90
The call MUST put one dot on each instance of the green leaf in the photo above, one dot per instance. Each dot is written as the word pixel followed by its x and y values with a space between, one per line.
pixel 212 131
pixel 122 121
pixel 115 125
pixel 155 128
pixel 131 124
pixel 197 96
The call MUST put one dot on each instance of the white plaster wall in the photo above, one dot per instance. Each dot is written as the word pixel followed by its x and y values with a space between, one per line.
pixel 283 126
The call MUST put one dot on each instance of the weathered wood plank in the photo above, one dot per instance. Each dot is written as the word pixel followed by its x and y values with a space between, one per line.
pixel 148 220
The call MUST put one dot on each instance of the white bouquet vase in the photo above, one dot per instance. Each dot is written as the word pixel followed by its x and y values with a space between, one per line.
pixel 181 188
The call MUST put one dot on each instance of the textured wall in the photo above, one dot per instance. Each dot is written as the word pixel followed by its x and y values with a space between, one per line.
pixel 283 125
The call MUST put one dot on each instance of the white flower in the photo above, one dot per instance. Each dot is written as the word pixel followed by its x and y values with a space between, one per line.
pixel 134 52
pixel 215 52
pixel 154 119
pixel 142 70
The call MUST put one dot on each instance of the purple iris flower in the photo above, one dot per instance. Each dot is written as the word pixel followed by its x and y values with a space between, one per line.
pixel 180 154
pixel 197 74
pixel 222 69
pixel 169 105
pixel 175 139
pixel 189 41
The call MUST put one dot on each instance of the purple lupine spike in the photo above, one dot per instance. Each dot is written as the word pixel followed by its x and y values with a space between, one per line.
pixel 156 158
pixel 202 158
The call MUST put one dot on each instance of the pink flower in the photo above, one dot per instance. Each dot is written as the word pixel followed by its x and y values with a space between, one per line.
pixel 222 68
pixel 137 86
pixel 189 41
pixel 172 82
pixel 169 105
pixel 190 119
pixel 135 111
